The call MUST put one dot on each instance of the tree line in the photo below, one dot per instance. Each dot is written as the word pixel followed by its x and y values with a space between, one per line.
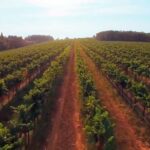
pixel 11 42
pixel 38 38
pixel 123 36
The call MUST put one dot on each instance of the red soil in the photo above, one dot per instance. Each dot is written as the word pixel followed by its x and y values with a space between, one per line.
pixel 130 132
pixel 67 130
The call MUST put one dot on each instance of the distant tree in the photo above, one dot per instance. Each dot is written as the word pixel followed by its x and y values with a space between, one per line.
pixel 38 38
pixel 67 38
pixel 15 42
pixel 11 42
pixel 1 36
pixel 123 36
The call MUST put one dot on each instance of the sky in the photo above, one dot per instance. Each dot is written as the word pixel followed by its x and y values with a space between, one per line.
pixel 72 18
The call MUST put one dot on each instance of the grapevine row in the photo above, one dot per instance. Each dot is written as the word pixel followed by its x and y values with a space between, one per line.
pixel 24 57
pixel 16 131
pixel 43 56
pixel 135 93
pixel 97 123
pixel 133 57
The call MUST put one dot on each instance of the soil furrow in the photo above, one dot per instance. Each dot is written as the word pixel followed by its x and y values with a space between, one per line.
pixel 67 133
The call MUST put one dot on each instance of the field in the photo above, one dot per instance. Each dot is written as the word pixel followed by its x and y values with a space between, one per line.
pixel 78 94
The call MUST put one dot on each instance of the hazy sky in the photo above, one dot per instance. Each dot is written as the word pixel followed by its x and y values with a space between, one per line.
pixel 73 18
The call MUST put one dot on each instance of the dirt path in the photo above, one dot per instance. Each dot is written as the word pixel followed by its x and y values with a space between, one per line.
pixel 125 120
pixel 67 133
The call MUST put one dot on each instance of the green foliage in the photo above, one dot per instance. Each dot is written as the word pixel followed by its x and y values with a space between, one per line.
pixel 123 62
pixel 3 88
pixel 97 123
pixel 25 114
pixel 86 81
pixel 17 65
pixel 8 141
pixel 110 144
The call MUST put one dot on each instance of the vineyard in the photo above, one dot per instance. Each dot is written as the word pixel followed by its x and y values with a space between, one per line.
pixel 78 94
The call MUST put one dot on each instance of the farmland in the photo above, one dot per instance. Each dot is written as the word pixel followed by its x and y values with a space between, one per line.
pixel 78 94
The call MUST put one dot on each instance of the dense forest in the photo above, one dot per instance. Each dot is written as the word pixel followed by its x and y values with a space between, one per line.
pixel 38 38
pixel 123 36
pixel 12 42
